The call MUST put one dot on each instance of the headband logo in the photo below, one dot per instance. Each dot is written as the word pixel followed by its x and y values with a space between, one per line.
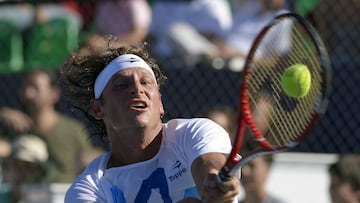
pixel 132 60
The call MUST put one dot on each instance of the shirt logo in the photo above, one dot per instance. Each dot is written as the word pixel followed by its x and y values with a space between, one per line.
pixel 176 165
pixel 179 171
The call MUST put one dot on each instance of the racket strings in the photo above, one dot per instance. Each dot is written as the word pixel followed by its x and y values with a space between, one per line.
pixel 285 117
pixel 313 59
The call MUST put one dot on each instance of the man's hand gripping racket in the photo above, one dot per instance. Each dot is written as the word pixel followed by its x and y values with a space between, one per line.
pixel 276 120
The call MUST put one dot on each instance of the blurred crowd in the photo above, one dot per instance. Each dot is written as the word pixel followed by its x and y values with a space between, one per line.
pixel 39 144
pixel 185 33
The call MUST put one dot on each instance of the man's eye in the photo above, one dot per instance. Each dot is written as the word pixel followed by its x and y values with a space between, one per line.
pixel 147 82
pixel 122 84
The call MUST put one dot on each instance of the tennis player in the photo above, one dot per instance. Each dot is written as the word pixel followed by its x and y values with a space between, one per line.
pixel 149 161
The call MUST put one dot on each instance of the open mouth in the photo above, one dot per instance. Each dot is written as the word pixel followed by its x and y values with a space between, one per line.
pixel 140 105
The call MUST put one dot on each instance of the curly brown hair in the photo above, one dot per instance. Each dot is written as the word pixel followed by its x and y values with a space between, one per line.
pixel 80 71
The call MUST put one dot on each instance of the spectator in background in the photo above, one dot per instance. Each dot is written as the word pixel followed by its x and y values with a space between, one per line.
pixel 32 44
pixel 21 15
pixel 188 30
pixel 27 164
pixel 253 179
pixel 5 148
pixel 254 174
pixel 345 179
pixel 127 20
pixel 24 15
pixel 225 116
pixel 63 9
pixel 67 139
pixel 250 16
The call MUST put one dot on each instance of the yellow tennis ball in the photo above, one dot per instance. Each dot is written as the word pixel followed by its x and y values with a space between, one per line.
pixel 296 80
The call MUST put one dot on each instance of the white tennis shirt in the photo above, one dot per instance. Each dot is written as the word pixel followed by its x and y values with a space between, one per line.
pixel 164 178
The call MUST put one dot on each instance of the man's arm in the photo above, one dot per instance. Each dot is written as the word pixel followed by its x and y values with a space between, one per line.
pixel 205 171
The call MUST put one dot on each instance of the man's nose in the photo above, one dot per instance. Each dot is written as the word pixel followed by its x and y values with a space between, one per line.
pixel 136 88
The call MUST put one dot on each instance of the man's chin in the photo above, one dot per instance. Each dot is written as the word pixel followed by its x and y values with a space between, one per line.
pixel 141 122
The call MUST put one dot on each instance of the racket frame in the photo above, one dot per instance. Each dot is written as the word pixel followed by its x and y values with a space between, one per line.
pixel 235 161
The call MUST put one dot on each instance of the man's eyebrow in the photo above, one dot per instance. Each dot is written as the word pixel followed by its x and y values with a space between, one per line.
pixel 118 77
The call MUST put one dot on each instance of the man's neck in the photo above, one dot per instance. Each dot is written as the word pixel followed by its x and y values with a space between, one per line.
pixel 133 148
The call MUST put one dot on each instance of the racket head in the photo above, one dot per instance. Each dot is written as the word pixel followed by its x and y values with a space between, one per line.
pixel 277 121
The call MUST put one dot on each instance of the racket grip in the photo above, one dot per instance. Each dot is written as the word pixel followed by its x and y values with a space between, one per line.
pixel 224 175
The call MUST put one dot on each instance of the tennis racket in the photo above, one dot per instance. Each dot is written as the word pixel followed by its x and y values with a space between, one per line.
pixel 278 122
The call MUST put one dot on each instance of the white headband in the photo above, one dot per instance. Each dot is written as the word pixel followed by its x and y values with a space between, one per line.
pixel 121 62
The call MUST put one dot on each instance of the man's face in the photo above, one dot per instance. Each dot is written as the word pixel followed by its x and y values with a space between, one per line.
pixel 131 99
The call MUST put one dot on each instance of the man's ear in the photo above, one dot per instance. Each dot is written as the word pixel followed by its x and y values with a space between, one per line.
pixel 95 108
pixel 162 111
